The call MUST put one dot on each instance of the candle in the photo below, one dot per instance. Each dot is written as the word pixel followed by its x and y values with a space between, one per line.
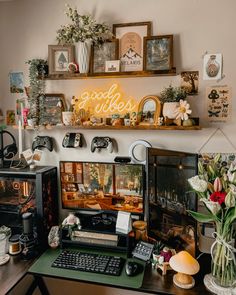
pixel 20 137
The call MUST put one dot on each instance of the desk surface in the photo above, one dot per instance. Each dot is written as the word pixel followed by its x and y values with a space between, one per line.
pixel 12 272
pixel 153 282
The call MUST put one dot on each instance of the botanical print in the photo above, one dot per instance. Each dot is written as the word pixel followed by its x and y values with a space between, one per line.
pixel 158 54
pixel 61 60
pixel 10 118
pixel 16 82
pixel 218 103
pixel 189 82
pixel 212 66
pixel 103 53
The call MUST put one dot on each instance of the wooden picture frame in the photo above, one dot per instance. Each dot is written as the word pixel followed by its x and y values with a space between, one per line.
pixel 158 53
pixel 130 37
pixel 108 51
pixel 52 105
pixel 150 110
pixel 59 56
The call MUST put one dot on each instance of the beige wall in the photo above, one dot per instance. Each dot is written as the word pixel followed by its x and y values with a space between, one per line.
pixel 28 26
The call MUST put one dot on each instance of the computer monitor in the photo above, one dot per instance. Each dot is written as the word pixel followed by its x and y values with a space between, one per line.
pixel 102 187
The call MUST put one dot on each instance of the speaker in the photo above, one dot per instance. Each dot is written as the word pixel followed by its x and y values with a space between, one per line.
pixel 10 150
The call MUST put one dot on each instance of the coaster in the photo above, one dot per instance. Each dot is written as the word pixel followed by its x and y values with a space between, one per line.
pixel 4 259
pixel 213 287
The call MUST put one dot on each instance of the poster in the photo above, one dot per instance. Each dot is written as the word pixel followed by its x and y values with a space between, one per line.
pixel 189 82
pixel 212 66
pixel 16 82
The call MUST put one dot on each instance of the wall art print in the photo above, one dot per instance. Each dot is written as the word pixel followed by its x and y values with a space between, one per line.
pixel 16 82
pixel 212 66
pixel 189 82
pixel 218 103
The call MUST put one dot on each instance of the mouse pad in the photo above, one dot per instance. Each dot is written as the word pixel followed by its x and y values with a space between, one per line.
pixel 42 266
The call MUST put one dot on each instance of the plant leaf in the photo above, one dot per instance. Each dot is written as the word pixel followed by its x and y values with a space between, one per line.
pixel 201 217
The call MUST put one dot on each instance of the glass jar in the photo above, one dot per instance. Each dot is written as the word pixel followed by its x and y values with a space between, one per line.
pixel 14 245
pixel 140 229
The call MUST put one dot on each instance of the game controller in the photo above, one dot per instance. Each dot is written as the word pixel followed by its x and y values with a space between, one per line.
pixel 42 142
pixel 101 143
pixel 72 140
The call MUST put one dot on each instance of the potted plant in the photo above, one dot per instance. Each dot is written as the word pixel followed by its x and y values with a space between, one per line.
pixel 38 69
pixel 83 31
pixel 127 119
pixel 170 97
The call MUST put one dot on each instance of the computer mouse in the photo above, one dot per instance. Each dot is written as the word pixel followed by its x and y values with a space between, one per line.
pixel 132 268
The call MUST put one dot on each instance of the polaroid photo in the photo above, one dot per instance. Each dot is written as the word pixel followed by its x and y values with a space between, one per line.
pixel 28 155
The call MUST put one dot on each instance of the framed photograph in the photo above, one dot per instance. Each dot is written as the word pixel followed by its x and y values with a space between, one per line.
pixel 100 54
pixel 59 56
pixel 150 110
pixel 112 66
pixel 51 108
pixel 131 44
pixel 158 53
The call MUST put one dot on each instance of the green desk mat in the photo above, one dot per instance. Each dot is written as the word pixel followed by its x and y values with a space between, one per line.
pixel 42 267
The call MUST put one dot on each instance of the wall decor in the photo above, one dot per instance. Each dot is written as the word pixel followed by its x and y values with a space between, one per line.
pixel 100 54
pixel 51 108
pixel 16 82
pixel 212 66
pixel 218 103
pixel 189 82
pixel 10 117
pixel 150 110
pixel 158 53
pixel 131 44
pixel 59 57
pixel 112 66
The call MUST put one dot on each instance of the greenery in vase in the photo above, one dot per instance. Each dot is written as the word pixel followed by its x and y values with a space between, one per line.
pixel 83 28
pixel 215 185
pixel 172 94
pixel 37 71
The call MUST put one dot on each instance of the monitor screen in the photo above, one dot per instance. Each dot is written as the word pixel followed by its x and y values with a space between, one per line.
pixel 102 186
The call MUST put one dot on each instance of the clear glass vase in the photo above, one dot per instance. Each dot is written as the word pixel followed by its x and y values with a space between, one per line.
pixel 224 260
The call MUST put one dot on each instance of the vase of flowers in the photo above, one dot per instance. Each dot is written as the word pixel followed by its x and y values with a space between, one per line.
pixel 215 185
pixel 84 31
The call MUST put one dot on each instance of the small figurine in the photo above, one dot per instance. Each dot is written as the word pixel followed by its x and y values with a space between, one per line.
pixel 71 222
pixel 160 121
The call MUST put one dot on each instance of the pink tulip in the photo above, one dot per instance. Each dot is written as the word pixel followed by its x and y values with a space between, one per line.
pixel 217 185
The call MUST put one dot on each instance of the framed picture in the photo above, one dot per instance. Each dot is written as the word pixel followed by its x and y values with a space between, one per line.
pixel 189 82
pixel 131 44
pixel 150 110
pixel 59 56
pixel 100 54
pixel 112 66
pixel 158 53
pixel 51 107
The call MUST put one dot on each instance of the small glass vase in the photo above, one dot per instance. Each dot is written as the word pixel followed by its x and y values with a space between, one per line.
pixel 224 261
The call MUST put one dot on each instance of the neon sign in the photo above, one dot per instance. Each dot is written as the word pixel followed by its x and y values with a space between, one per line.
pixel 106 102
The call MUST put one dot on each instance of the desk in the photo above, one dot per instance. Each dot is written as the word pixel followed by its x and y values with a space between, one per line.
pixel 12 272
pixel 153 282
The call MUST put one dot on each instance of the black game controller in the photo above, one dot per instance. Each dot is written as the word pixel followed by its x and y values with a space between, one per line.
pixel 42 142
pixel 101 143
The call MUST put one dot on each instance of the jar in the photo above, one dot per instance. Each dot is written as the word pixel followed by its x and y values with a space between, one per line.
pixel 7 231
pixel 140 229
pixel 3 241
pixel 14 245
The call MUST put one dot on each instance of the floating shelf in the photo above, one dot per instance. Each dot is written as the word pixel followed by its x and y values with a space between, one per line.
pixel 69 76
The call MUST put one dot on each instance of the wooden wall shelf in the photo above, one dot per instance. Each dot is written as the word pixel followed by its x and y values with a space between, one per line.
pixel 69 76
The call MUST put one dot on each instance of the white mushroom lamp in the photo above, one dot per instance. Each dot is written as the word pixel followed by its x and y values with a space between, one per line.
pixel 186 266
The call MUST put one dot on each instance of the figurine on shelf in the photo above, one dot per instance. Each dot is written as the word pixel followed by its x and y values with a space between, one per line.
pixel 71 222
pixel 161 259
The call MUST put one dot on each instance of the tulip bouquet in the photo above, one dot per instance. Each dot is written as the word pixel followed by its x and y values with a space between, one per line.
pixel 215 185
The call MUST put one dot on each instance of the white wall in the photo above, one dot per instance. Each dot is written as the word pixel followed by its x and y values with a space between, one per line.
pixel 28 26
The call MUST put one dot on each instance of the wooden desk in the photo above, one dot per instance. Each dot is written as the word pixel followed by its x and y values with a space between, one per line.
pixel 12 272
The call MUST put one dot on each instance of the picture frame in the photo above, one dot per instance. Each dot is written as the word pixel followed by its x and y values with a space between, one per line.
pixel 59 56
pixel 158 53
pixel 150 110
pixel 108 51
pixel 52 105
pixel 112 66
pixel 130 37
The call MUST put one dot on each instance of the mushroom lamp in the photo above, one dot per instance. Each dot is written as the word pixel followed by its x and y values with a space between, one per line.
pixel 186 266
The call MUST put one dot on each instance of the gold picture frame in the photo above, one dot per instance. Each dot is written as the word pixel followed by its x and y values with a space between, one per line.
pixel 149 110
pixel 59 56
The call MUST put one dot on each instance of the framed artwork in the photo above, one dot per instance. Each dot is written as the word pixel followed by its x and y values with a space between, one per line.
pixel 158 53
pixel 16 82
pixel 51 107
pixel 131 44
pixel 112 66
pixel 150 110
pixel 189 82
pixel 59 56
pixel 100 54
pixel 10 117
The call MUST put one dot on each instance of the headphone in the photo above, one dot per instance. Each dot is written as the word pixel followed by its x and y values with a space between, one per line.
pixel 10 150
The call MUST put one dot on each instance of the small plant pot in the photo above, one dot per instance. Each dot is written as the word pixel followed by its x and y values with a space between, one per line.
pixel 169 109
pixel 127 122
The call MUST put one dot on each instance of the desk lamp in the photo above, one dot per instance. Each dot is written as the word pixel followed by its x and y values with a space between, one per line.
pixel 185 265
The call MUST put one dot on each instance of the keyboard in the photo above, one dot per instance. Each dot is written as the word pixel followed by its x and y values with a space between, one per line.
pixel 96 263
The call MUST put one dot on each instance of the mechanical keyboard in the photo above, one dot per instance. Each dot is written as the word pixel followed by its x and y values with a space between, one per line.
pixel 103 264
